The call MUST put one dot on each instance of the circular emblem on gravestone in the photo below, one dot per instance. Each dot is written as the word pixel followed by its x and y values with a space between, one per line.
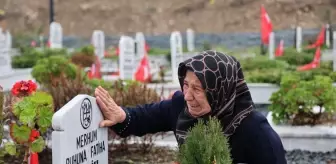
pixel 86 113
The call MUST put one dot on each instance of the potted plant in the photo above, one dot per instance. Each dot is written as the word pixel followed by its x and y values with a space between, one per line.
pixel 30 117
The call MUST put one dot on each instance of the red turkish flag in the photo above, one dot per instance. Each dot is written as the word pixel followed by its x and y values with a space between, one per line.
pixel 319 40
pixel 280 49
pixel 95 69
pixel 142 73
pixel 265 25
pixel 314 64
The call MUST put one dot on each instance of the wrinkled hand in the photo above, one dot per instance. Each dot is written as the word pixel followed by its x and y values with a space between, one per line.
pixel 112 113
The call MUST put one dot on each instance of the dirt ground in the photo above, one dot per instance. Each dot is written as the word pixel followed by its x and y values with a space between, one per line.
pixel 81 17
pixel 157 155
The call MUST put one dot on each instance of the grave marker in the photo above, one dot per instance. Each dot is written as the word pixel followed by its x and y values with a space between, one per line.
pixel 271 46
pixel 176 49
pixel 98 41
pixel 140 44
pixel 298 39
pixel 126 58
pixel 77 137
pixel 190 40
pixel 56 35
pixel 5 47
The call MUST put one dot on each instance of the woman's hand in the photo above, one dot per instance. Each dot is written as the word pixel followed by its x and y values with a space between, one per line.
pixel 112 113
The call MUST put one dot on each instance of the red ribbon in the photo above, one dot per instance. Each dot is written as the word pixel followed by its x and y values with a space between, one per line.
pixel 33 158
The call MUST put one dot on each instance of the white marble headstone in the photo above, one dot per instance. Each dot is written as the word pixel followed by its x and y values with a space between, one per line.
pixel 77 137
pixel 56 35
pixel 140 44
pixel 271 46
pixel 190 40
pixel 126 58
pixel 298 39
pixel 98 41
pixel 176 50
pixel 5 57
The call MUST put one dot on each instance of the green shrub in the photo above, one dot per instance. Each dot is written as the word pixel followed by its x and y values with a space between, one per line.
pixel 29 56
pixel 88 50
pixel 158 51
pixel 205 144
pixel 294 101
pixel 325 69
pixel 47 52
pixel 84 57
pixel 263 63
pixel 65 88
pixel 94 83
pixel 27 59
pixel 292 57
pixel 272 76
pixel 53 67
pixel 263 70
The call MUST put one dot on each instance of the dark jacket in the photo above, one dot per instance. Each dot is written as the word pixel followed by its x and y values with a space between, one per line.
pixel 254 141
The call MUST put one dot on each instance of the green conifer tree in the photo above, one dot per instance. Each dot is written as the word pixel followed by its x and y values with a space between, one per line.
pixel 205 144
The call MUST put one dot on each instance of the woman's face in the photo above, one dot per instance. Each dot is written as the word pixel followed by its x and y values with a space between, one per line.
pixel 194 94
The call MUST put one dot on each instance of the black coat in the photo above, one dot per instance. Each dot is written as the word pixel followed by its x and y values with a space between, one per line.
pixel 254 141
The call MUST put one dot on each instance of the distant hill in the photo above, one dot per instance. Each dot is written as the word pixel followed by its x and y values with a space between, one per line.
pixel 81 17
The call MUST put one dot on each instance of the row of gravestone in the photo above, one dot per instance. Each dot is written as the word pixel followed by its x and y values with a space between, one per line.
pixel 129 54
pixel 130 50
pixel 5 49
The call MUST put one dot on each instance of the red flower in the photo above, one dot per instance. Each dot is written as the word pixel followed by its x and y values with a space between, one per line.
pixel 24 88
pixel 34 135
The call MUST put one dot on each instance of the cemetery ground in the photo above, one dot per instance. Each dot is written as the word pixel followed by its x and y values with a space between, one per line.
pixel 157 155
pixel 58 74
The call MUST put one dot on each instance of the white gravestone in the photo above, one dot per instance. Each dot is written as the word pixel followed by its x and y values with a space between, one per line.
pixel 56 35
pixel 98 41
pixel 190 40
pixel 140 44
pixel 271 46
pixel 298 39
pixel 176 50
pixel 126 58
pixel 77 137
pixel 5 57
pixel 327 35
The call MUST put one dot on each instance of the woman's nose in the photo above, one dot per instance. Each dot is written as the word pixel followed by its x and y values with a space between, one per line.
pixel 187 95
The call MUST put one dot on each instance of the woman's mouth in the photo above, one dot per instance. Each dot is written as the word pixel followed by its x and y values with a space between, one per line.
pixel 194 106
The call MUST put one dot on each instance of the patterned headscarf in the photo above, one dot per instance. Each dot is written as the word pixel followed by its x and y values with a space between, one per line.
pixel 222 78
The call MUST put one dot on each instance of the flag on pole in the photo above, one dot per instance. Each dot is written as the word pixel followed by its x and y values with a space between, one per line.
pixel 314 64
pixel 266 26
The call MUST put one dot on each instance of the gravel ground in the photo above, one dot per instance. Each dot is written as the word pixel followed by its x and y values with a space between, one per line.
pixel 306 157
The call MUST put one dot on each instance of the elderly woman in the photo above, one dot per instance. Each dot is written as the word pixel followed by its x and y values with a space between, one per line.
pixel 212 84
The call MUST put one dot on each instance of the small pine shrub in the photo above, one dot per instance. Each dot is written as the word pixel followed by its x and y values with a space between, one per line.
pixel 205 144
